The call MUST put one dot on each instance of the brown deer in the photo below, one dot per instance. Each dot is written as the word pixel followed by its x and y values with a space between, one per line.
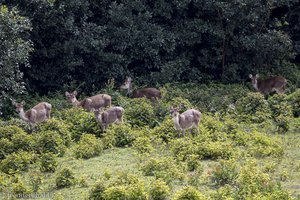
pixel 109 116
pixel 186 120
pixel 89 103
pixel 39 113
pixel 273 84
pixel 150 93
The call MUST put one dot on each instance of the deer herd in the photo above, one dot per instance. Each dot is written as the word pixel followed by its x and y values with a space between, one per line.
pixel 105 114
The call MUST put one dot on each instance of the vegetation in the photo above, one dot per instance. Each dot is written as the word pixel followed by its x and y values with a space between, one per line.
pixel 197 53
pixel 240 152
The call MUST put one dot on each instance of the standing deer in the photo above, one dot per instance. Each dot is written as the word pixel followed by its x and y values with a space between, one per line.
pixel 39 113
pixel 150 93
pixel 273 84
pixel 89 103
pixel 186 120
pixel 111 115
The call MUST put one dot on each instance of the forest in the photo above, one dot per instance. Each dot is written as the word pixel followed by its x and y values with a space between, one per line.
pixel 199 55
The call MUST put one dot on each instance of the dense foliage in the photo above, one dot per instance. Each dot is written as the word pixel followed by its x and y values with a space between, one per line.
pixel 83 43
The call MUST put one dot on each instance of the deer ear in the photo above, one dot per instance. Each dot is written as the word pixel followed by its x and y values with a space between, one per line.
pixel 23 103
pixel 67 94
pixel 250 76
pixel 257 75
pixel 75 93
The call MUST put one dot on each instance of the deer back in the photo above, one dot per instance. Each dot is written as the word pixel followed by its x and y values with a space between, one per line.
pixel 39 112
pixel 149 93
pixel 96 102
pixel 112 115
pixel 189 118
pixel 273 84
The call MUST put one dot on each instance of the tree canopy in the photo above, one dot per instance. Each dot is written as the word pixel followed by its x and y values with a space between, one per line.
pixel 86 42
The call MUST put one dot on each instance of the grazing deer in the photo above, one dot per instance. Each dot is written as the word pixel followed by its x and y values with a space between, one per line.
pixel 39 113
pixel 273 84
pixel 90 103
pixel 186 120
pixel 109 116
pixel 150 93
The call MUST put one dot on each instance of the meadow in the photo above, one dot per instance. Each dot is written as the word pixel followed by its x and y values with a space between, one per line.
pixel 247 148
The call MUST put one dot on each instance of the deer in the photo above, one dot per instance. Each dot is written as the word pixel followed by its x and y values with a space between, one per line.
pixel 273 84
pixel 109 116
pixel 39 113
pixel 150 93
pixel 89 103
pixel 186 120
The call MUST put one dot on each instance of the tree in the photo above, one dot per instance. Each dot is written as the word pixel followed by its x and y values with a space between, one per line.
pixel 14 51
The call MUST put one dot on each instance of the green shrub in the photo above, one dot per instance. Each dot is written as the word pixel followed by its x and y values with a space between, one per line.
pixel 294 100
pixel 165 168
pixel 79 121
pixel 119 135
pixel 182 148
pixel 10 130
pixel 225 172
pixel 16 162
pixel 143 145
pixel 89 146
pixel 189 193
pixel 253 183
pixel 216 150
pixel 48 162
pixel 59 127
pixel 96 192
pixel 49 142
pixel 261 145
pixel 35 180
pixel 140 113
pixel 253 108
pixel 166 130
pixel 65 178
pixel 14 139
pixel 19 189
pixel 193 162
pixel 159 190
pixel 281 111
pixel 115 193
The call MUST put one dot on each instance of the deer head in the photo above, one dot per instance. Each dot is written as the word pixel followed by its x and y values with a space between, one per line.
pixel 71 97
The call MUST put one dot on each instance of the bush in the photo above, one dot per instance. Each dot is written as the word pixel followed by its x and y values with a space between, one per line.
pixel 89 146
pixel 49 142
pixel 189 193
pixel 96 192
pixel 281 111
pixel 79 121
pixel 16 162
pixel 159 190
pixel 119 135
pixel 253 108
pixel 14 139
pixel 48 162
pixel 65 178
pixel 143 145
pixel 166 131
pixel 116 193
pixel 165 168
pixel 140 113
pixel 251 182
pixel 261 145
pixel 225 172
pixel 294 100
pixel 59 127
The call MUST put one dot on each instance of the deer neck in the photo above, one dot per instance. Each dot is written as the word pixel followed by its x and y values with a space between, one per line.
pixel 76 103
pixel 176 121
pixel 22 115
pixel 256 84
